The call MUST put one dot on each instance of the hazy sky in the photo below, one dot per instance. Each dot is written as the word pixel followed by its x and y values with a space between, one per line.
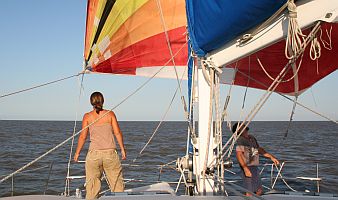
pixel 43 40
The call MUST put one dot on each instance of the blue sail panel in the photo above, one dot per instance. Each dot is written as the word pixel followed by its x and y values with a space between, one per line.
pixel 212 24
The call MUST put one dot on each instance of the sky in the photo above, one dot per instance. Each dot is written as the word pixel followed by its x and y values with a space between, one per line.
pixel 43 41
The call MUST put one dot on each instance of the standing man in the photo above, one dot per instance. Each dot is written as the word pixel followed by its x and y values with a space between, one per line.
pixel 247 153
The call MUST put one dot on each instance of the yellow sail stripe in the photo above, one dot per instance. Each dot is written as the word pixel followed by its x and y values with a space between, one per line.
pixel 120 12
pixel 98 15
pixel 145 23
pixel 95 10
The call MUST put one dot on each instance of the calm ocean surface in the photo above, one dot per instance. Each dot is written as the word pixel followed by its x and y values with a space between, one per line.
pixel 307 143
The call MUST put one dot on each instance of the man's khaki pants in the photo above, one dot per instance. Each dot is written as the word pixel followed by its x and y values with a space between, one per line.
pixel 98 161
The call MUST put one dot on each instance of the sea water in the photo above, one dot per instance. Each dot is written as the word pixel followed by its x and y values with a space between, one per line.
pixel 307 145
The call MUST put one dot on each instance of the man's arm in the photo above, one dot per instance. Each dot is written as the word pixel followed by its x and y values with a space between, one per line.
pixel 240 158
pixel 268 155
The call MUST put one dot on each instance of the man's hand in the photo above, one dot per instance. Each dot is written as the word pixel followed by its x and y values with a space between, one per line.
pixel 275 161
pixel 247 172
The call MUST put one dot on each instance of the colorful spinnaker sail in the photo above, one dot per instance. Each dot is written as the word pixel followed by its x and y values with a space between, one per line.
pixel 135 37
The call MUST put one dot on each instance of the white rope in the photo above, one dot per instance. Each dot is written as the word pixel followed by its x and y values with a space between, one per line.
pixel 67 185
pixel 327 45
pixel 169 46
pixel 227 100
pixel 211 71
pixel 173 60
pixel 247 37
pixel 302 105
pixel 295 37
pixel 204 71
pixel 232 145
pixel 192 138
pixel 300 52
pixel 258 106
pixel 44 84
pixel 280 175
pixel 282 81
pixel 218 134
pixel 65 141
pixel 261 102
pixel 163 118
pixel 315 49
pixel 264 98
pixel 183 176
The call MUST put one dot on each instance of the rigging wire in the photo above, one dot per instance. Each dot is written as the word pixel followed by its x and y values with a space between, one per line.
pixel 218 124
pixel 173 60
pixel 158 126
pixel 77 133
pixel 242 109
pixel 259 105
pixel 41 85
pixel 67 185
pixel 168 43
pixel 247 37
pixel 300 104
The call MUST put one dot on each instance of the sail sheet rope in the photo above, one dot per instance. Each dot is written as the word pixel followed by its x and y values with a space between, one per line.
pixel 247 37
pixel 248 118
pixel 162 119
pixel 236 135
pixel 257 107
pixel 77 133
pixel 165 29
pixel 307 41
pixel 296 53
pixel 297 102
pixel 242 109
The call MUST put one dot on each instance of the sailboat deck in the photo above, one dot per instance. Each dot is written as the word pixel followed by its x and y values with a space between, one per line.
pixel 168 197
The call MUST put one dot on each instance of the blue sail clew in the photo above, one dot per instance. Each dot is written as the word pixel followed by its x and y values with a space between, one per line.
pixel 211 24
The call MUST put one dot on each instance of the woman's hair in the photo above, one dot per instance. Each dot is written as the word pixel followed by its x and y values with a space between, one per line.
pixel 96 99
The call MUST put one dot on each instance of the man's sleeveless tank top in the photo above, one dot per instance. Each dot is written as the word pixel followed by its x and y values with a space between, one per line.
pixel 101 137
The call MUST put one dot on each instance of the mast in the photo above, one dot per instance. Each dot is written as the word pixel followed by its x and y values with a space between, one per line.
pixel 205 147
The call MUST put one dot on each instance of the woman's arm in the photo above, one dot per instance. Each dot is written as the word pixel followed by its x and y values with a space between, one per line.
pixel 82 137
pixel 118 135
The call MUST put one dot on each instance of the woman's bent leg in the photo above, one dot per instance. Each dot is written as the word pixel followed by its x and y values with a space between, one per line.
pixel 113 169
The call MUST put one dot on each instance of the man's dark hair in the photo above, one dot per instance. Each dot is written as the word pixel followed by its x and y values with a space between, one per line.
pixel 234 127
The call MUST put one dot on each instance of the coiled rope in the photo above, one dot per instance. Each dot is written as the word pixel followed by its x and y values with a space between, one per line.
pixel 295 37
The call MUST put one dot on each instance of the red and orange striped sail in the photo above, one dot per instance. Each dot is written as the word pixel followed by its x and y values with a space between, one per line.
pixel 133 36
